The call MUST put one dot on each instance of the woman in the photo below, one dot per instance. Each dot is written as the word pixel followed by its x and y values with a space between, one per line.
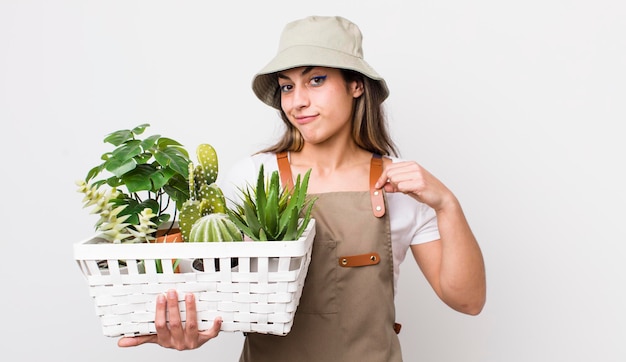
pixel 372 207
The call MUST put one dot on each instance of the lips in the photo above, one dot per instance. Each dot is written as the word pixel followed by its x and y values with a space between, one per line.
pixel 305 119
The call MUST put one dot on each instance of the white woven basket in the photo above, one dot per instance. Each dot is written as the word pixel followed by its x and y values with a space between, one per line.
pixel 259 295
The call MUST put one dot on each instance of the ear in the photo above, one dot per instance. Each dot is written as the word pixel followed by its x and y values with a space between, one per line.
pixel 357 89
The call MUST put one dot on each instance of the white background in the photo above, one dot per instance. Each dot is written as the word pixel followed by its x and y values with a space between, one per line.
pixel 515 105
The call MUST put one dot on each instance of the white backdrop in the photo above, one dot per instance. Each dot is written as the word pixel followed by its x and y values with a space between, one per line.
pixel 514 105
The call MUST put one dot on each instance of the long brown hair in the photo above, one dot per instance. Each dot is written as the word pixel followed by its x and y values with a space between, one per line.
pixel 369 125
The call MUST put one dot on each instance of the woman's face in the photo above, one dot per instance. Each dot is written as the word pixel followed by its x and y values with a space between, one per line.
pixel 318 102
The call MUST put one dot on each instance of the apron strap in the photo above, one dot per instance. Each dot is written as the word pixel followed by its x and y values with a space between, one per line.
pixel 376 169
pixel 284 170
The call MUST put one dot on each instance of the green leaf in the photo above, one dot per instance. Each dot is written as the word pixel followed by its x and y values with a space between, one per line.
pixel 173 158
pixel 270 218
pixel 139 179
pixel 160 178
pixel 149 142
pixel 120 167
pixel 144 157
pixel 236 218
pixel 292 225
pixel 165 142
pixel 178 189
pixel 251 219
pixel 141 128
pixel 112 181
pixel 118 137
pixel 94 172
pixel 126 151
pixel 259 194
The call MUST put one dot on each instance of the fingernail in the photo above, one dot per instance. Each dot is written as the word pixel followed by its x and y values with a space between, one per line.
pixel 171 294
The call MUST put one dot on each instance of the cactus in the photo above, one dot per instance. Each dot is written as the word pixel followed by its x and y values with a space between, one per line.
pixel 215 227
pixel 205 197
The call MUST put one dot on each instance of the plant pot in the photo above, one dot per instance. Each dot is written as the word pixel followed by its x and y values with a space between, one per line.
pixel 172 235
pixel 197 265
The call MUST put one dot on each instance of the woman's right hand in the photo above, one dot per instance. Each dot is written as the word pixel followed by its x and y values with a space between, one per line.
pixel 174 334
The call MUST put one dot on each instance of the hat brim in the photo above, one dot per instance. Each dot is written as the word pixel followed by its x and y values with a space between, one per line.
pixel 265 84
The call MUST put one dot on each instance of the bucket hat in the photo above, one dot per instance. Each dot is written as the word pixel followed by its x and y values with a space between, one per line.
pixel 328 41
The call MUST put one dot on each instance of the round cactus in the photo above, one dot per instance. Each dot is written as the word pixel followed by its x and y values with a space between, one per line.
pixel 214 227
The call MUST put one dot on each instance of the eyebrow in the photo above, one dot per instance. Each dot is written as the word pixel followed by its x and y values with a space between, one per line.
pixel 304 72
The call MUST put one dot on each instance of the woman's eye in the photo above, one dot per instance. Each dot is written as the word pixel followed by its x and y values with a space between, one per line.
pixel 319 80
pixel 285 88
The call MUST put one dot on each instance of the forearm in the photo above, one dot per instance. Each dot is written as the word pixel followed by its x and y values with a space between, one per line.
pixel 462 272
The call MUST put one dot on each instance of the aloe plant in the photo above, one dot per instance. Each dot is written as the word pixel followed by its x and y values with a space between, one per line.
pixel 271 212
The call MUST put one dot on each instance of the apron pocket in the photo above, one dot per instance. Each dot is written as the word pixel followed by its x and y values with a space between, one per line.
pixel 319 295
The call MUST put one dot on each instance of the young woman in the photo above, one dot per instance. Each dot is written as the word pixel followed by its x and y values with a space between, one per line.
pixel 372 207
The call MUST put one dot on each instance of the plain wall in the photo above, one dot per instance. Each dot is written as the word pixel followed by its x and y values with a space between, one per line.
pixel 516 106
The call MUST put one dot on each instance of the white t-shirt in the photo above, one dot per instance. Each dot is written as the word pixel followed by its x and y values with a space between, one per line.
pixel 411 222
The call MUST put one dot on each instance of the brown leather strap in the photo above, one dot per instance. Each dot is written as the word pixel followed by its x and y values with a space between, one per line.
pixel 284 169
pixel 359 260
pixel 378 201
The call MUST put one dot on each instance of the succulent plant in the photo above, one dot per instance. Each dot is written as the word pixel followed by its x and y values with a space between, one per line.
pixel 205 197
pixel 271 212
pixel 112 222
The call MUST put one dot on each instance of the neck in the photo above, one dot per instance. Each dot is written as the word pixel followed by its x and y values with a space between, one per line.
pixel 328 157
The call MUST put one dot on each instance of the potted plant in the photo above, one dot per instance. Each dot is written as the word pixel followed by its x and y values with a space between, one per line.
pixel 203 216
pixel 271 212
pixel 142 185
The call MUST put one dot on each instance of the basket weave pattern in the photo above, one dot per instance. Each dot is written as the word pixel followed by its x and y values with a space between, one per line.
pixel 259 295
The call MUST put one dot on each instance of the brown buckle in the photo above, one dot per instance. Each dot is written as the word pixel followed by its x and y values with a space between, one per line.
pixel 397 327
pixel 359 260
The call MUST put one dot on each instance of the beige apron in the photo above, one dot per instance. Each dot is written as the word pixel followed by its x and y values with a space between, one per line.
pixel 346 312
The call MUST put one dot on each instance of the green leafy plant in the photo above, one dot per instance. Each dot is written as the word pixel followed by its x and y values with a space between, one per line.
pixel 143 184
pixel 271 212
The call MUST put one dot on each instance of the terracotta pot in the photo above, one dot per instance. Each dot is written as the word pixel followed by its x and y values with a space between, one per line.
pixel 173 236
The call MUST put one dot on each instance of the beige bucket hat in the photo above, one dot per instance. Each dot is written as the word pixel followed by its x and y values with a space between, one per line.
pixel 328 41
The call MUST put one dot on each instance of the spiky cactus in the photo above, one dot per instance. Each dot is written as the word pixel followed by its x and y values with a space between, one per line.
pixel 205 197
pixel 271 212
pixel 214 227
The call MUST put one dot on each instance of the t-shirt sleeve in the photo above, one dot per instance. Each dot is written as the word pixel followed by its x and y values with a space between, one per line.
pixel 426 229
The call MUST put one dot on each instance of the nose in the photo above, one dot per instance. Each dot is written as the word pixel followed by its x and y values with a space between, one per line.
pixel 300 97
